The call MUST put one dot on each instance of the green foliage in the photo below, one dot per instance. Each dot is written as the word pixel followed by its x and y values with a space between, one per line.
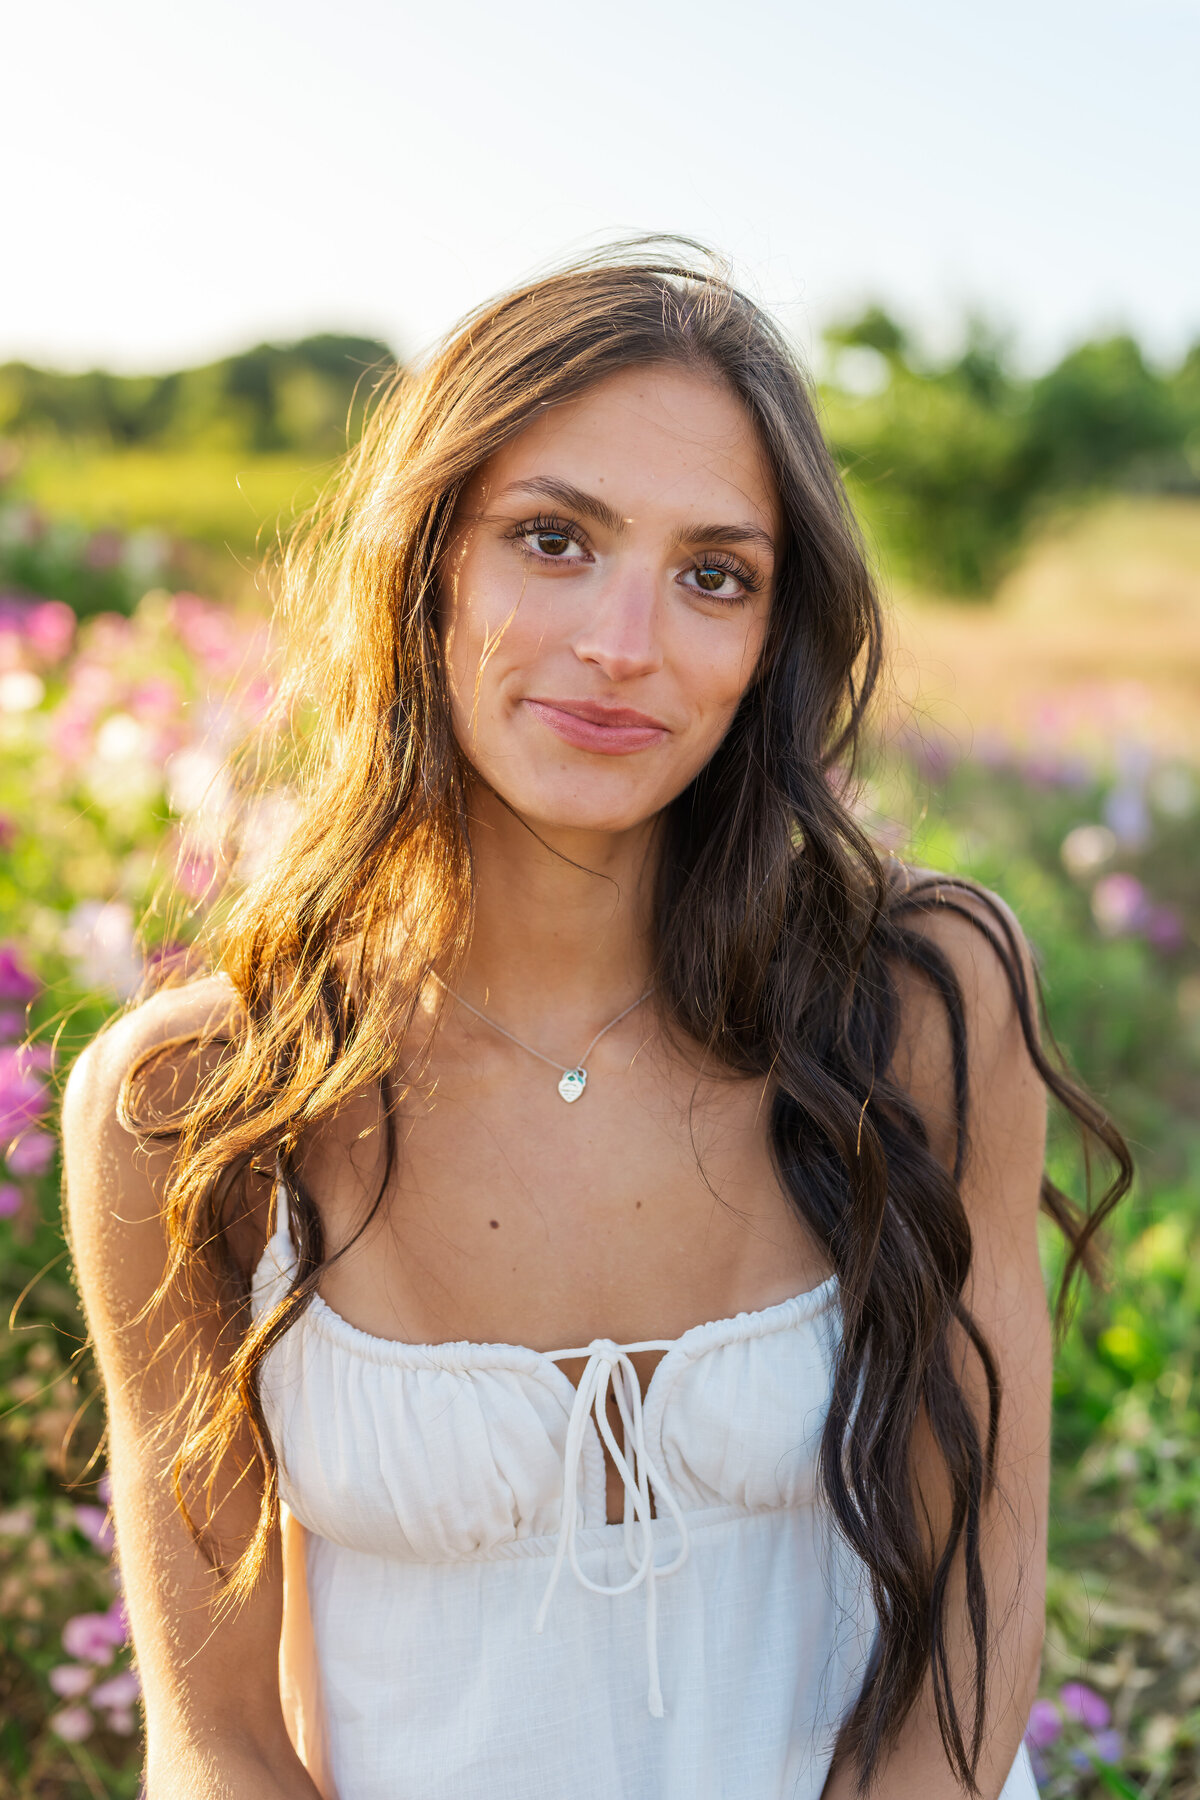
pixel 176 498
pixel 954 463
pixel 302 397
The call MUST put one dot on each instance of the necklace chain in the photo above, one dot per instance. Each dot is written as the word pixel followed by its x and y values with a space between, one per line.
pixel 566 1069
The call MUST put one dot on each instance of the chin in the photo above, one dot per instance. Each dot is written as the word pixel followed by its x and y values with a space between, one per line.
pixel 600 806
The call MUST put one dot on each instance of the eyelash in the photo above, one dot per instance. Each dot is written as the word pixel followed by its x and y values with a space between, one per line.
pixel 718 559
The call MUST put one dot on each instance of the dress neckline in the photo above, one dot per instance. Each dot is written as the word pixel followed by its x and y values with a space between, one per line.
pixel 461 1353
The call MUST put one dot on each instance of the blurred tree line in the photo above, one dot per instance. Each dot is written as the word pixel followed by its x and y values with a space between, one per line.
pixel 298 397
pixel 951 462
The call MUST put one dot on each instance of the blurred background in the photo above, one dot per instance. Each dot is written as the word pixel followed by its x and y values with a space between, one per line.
pixel 978 227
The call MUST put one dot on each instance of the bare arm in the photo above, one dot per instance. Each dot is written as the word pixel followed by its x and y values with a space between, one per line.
pixel 215 1728
pixel 1006 1294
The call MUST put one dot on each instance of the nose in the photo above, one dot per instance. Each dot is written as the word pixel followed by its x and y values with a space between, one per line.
pixel 619 633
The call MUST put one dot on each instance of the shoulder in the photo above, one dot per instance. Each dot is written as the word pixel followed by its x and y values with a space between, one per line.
pixel 120 1098
pixel 968 1012
pixel 174 1031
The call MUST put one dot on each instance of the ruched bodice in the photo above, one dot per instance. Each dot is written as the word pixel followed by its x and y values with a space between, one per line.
pixel 464 1621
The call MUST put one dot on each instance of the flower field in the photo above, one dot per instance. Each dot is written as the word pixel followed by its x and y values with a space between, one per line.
pixel 119 694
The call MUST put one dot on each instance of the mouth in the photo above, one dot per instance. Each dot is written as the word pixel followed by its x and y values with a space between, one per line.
pixel 587 725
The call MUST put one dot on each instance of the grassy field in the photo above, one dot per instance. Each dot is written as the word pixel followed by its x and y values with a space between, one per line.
pixel 1096 635
pixel 225 499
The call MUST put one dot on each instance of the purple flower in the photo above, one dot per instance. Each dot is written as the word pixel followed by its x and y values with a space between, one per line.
pixel 72 1724
pixel 10 1199
pixel 1084 1703
pixel 1109 1746
pixel 32 1154
pixel 70 1680
pixel 23 1094
pixel 119 1690
pixel 95 1525
pixel 17 984
pixel 1164 929
pixel 92 1637
pixel 1045 1724
pixel 118 1622
pixel 1120 904
pixel 1128 817
pixel 1038 1763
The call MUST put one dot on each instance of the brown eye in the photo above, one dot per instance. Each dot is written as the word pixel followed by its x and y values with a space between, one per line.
pixel 712 580
pixel 551 543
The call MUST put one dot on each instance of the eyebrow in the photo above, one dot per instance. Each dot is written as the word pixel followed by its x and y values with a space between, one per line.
pixel 591 506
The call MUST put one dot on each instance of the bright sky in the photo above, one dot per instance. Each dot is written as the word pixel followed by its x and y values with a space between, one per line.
pixel 185 177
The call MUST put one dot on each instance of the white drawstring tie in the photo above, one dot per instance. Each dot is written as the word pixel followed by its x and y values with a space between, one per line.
pixel 608 1362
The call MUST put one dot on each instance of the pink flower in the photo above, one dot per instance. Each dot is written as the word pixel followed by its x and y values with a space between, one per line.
pixel 195 872
pixel 72 1724
pixel 96 1526
pixel 70 1680
pixel 17 983
pixel 32 1154
pixel 11 1200
pixel 1045 1724
pixel 12 1022
pixel 154 700
pixel 92 1637
pixel 118 1622
pixel 1084 1703
pixel 1119 904
pixel 49 630
pixel 119 1690
pixel 122 1722
pixel 23 1095
pixel 208 634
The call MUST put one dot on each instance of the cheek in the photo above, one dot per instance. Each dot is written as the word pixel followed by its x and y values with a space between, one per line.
pixel 489 624
pixel 721 668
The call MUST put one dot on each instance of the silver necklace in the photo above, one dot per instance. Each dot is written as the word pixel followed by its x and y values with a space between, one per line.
pixel 572 1081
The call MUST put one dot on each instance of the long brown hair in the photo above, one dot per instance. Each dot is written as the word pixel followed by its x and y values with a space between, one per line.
pixel 779 931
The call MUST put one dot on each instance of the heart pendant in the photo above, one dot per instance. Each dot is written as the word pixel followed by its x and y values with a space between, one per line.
pixel 572 1084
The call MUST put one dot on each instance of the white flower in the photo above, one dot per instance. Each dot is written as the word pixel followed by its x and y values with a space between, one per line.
pixel 196 782
pixel 98 937
pixel 21 691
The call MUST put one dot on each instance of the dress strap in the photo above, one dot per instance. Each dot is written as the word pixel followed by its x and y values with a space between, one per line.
pixel 283 1213
pixel 609 1363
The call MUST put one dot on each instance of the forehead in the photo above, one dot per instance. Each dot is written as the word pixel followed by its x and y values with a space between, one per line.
pixel 653 441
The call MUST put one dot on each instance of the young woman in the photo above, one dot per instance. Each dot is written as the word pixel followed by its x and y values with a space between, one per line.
pixel 566 1278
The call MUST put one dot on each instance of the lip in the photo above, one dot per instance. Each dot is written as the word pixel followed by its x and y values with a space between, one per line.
pixel 586 724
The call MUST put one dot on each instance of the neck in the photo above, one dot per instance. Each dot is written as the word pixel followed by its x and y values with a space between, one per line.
pixel 561 939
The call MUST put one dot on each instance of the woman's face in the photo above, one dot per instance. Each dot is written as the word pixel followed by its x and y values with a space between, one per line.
pixel 606 597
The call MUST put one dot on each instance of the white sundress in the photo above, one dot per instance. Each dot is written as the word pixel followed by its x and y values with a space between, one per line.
pixel 461 1622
